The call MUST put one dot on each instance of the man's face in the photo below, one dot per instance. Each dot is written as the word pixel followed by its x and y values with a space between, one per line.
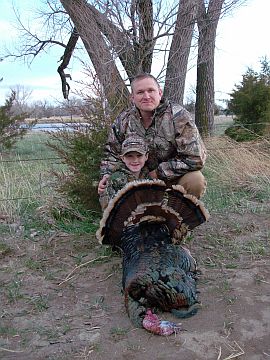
pixel 146 94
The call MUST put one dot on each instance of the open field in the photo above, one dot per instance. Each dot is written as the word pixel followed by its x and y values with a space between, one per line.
pixel 61 291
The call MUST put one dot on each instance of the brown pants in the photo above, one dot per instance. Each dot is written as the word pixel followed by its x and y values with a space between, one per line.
pixel 193 182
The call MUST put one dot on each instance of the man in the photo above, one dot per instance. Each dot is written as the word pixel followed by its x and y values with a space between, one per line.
pixel 134 155
pixel 176 151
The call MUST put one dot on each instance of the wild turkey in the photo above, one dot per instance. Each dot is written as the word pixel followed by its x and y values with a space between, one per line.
pixel 148 221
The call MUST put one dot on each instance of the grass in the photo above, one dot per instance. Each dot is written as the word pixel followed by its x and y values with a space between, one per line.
pixel 53 243
pixel 39 302
pixel 8 331
pixel 238 178
pixel 238 175
pixel 25 180
pixel 222 123
pixel 34 264
pixel 5 249
pixel 33 145
pixel 14 289
pixel 27 192
pixel 88 225
pixel 227 250
pixel 118 333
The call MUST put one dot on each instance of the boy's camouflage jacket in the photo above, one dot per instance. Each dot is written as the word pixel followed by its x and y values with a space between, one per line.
pixel 175 146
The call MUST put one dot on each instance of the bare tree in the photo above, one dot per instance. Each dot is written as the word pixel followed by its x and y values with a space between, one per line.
pixel 21 99
pixel 122 37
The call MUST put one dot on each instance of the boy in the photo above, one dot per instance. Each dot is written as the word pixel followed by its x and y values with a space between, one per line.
pixel 134 154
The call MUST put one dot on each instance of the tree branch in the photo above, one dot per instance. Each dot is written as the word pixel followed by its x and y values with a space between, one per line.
pixel 99 52
pixel 65 61
pixel 119 40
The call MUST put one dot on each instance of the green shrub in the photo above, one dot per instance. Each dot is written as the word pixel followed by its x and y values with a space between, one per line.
pixel 240 133
pixel 82 150
pixel 10 125
pixel 250 102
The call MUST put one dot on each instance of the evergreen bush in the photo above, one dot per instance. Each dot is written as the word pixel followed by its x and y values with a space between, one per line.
pixel 82 150
pixel 12 128
pixel 250 103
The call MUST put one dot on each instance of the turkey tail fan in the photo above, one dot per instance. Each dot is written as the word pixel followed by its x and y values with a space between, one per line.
pixel 152 201
pixel 188 206
pixel 123 204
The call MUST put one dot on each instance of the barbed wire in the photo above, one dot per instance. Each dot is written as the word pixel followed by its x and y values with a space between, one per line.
pixel 62 162
pixel 23 160
pixel 58 158
pixel 75 125
pixel 18 198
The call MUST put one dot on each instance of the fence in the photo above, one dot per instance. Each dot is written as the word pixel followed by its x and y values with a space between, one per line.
pixel 25 174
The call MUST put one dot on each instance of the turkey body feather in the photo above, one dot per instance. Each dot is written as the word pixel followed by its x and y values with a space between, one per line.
pixel 156 273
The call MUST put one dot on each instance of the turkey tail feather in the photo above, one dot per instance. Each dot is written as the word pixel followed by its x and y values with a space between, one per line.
pixel 150 200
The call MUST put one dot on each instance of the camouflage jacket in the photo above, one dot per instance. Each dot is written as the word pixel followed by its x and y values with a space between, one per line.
pixel 175 145
pixel 117 180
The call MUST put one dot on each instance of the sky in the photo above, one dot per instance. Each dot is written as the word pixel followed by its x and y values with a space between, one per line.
pixel 242 40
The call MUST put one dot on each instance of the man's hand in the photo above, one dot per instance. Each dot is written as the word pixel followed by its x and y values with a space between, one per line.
pixel 102 184
pixel 153 174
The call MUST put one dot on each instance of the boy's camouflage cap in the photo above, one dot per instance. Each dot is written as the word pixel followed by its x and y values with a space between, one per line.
pixel 134 143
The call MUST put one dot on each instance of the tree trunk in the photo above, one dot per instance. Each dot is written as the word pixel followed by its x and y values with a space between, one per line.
pixel 134 51
pixel 205 94
pixel 179 51
pixel 113 85
pixel 146 34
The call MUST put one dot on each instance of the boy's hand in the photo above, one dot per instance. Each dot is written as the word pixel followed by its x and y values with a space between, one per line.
pixel 102 184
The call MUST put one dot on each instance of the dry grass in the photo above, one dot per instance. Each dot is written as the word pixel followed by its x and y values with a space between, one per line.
pixel 61 301
pixel 230 166
pixel 239 165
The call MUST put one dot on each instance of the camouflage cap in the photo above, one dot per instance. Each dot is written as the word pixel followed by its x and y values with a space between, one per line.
pixel 134 143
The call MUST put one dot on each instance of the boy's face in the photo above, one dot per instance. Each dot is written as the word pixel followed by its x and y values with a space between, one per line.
pixel 134 161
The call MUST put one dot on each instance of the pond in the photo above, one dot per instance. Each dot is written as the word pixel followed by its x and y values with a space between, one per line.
pixel 58 126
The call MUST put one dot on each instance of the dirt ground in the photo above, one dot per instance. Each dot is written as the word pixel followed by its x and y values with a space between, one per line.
pixel 53 309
